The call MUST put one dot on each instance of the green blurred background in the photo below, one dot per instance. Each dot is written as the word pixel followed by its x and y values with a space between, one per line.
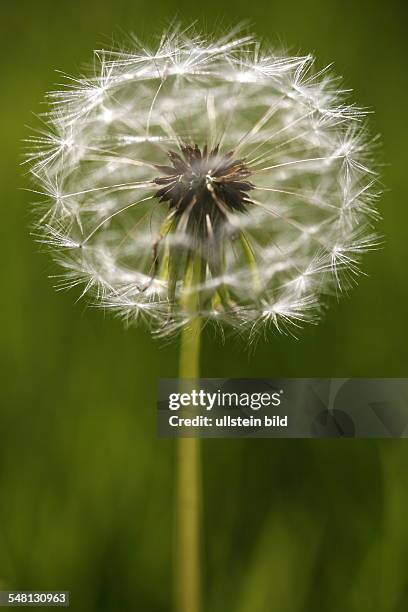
pixel 86 488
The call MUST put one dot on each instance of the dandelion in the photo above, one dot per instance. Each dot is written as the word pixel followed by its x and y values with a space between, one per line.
pixel 205 181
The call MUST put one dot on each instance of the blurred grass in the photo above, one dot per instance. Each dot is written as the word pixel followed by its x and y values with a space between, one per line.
pixel 86 488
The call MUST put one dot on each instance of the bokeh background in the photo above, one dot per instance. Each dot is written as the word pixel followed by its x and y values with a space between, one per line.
pixel 86 488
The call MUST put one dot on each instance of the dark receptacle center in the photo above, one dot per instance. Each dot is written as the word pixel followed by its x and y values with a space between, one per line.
pixel 203 187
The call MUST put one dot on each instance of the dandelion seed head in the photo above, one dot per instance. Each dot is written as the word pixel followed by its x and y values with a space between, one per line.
pixel 243 163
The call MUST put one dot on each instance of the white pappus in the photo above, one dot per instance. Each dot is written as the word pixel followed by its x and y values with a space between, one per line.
pixel 209 167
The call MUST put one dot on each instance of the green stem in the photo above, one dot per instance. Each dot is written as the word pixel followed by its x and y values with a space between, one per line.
pixel 188 549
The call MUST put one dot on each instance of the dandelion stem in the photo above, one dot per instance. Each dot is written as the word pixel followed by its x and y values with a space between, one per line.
pixel 188 510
